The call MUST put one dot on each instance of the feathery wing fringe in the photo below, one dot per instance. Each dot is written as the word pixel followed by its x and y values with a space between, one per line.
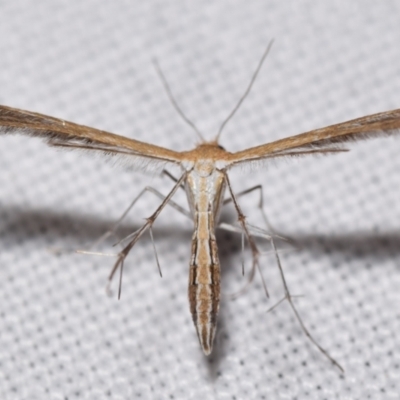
pixel 262 162
pixel 67 134
pixel 381 124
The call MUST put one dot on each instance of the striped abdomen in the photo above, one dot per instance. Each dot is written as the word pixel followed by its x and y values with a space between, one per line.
pixel 205 188
pixel 204 280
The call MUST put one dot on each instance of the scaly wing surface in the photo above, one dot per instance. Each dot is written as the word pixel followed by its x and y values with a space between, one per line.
pixel 324 140
pixel 60 133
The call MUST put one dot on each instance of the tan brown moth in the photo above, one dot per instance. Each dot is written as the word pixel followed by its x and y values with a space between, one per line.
pixel 205 177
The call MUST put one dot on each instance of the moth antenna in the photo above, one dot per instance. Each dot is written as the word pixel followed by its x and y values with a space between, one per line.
pixel 173 101
pixel 247 91
pixel 155 250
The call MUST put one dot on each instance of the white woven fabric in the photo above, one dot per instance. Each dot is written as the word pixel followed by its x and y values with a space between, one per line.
pixel 61 337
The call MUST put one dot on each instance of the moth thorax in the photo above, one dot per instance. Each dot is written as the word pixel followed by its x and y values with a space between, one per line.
pixel 204 167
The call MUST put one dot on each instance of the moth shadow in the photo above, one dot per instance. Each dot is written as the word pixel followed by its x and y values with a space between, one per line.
pixel 373 247
pixel 20 225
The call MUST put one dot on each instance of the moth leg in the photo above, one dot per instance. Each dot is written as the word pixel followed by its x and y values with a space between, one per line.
pixel 126 239
pixel 253 247
pixel 256 232
pixel 232 228
pixel 113 230
pixel 289 298
pixel 136 236
pixel 260 205
pixel 170 176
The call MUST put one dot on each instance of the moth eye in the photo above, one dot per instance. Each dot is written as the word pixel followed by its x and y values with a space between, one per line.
pixel 220 147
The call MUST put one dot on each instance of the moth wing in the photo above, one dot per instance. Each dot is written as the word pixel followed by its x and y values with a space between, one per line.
pixel 325 140
pixel 60 133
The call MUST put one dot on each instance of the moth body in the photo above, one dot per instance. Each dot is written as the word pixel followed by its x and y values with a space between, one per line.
pixel 205 187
